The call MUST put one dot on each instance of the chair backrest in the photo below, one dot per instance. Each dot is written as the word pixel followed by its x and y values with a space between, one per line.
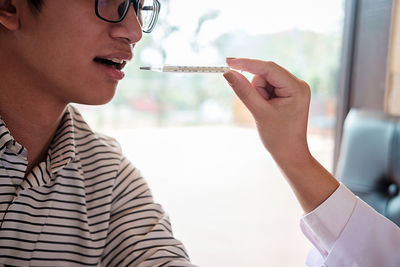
pixel 369 162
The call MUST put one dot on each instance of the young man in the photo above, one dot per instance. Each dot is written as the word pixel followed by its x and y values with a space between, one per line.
pixel 67 195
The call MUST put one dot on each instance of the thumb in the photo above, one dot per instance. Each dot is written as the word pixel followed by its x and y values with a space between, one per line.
pixel 249 95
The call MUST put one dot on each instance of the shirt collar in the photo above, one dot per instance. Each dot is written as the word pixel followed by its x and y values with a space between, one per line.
pixel 60 153
pixel 62 149
pixel 8 142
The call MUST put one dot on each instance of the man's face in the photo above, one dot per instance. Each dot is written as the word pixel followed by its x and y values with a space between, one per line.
pixel 65 47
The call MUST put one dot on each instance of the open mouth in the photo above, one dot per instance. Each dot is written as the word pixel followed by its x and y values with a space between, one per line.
pixel 114 63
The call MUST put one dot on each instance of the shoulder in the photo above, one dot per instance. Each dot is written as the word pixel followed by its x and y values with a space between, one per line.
pixel 100 156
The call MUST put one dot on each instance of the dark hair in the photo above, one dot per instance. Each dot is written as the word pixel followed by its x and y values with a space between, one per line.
pixel 35 5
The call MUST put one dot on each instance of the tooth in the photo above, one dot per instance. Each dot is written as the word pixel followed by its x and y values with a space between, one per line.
pixel 116 60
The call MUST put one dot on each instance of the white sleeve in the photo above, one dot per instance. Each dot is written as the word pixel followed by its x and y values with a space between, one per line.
pixel 345 231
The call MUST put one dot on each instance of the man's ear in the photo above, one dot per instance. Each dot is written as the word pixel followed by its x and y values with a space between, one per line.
pixel 9 17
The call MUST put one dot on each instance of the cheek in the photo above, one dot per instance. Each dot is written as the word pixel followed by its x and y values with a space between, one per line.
pixel 56 55
pixel 63 59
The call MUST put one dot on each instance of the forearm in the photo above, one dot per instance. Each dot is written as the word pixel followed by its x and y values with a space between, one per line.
pixel 310 181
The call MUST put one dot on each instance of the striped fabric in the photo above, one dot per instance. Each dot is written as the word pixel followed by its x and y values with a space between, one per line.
pixel 86 205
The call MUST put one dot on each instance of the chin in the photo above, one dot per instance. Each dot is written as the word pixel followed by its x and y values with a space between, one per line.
pixel 99 101
pixel 99 97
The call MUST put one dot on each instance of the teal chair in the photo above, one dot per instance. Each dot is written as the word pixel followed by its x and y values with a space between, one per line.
pixel 369 161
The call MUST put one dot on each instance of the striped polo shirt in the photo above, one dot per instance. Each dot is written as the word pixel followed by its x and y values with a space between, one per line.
pixel 85 205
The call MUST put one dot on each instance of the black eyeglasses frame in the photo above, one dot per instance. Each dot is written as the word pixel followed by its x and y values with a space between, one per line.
pixel 135 3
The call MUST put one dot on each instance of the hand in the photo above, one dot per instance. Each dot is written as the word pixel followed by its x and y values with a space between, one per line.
pixel 279 103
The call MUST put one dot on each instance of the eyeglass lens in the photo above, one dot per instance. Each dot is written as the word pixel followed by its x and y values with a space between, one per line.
pixel 115 11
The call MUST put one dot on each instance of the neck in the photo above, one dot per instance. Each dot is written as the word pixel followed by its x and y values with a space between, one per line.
pixel 31 115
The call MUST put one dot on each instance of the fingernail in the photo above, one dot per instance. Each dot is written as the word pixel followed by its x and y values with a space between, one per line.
pixel 230 77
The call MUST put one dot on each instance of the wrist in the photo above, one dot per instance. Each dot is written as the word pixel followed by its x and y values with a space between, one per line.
pixel 293 153
pixel 310 181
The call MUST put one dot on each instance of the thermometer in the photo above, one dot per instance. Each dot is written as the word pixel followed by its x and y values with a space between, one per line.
pixel 188 69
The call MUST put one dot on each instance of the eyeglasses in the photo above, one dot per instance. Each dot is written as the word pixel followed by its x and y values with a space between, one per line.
pixel 114 11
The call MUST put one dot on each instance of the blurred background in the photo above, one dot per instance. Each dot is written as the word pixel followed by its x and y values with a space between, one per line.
pixel 196 144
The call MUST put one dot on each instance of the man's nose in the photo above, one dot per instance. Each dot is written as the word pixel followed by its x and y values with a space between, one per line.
pixel 129 28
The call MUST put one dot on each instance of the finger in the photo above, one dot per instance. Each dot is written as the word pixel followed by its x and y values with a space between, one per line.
pixel 270 71
pixel 263 87
pixel 246 92
pixel 283 92
pixel 268 91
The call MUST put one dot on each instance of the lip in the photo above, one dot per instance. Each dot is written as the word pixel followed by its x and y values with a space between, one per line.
pixel 126 56
pixel 111 72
